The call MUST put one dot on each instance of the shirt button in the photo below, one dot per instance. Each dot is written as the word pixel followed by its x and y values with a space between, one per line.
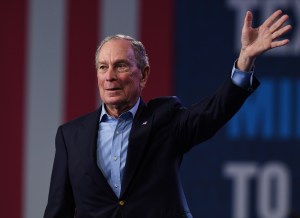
pixel 117 132
pixel 121 203
pixel 116 185
pixel 115 158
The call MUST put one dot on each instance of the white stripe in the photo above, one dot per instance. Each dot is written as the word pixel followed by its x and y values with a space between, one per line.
pixel 44 97
pixel 119 16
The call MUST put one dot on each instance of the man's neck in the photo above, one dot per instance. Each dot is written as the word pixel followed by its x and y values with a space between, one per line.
pixel 116 110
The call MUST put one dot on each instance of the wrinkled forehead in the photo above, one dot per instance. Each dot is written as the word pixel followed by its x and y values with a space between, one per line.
pixel 116 49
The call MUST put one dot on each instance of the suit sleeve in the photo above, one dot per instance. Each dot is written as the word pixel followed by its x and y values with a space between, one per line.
pixel 201 121
pixel 60 199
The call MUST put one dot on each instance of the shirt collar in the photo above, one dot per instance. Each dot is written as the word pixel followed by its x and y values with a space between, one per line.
pixel 133 110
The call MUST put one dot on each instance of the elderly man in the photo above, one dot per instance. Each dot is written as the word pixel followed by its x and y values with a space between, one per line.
pixel 123 160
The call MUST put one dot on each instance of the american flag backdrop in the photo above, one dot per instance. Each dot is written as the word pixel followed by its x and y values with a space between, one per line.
pixel 48 77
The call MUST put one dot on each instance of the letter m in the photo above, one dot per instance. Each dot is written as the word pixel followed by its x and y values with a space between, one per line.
pixel 256 117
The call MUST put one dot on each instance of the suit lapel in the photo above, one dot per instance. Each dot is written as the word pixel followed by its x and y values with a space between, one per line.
pixel 87 143
pixel 140 131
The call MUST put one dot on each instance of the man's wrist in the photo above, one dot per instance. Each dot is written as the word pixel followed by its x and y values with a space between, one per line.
pixel 245 63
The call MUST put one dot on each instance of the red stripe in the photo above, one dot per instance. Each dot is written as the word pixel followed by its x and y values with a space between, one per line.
pixel 12 68
pixel 82 39
pixel 157 34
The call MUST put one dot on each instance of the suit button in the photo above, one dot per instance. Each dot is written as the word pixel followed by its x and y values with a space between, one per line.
pixel 121 203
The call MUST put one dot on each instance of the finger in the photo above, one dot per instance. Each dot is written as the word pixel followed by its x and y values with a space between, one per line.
pixel 248 19
pixel 279 23
pixel 279 43
pixel 281 31
pixel 272 18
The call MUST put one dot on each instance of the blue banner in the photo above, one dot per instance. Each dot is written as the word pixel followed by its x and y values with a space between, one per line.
pixel 250 168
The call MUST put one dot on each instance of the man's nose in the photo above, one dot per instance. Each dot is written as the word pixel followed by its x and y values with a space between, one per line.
pixel 111 74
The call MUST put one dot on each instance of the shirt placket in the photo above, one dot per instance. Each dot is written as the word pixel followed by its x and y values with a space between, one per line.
pixel 115 157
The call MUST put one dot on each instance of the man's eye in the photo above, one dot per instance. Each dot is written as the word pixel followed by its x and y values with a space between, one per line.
pixel 102 68
pixel 122 67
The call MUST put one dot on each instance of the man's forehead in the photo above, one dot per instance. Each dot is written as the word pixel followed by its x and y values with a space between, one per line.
pixel 116 50
pixel 117 46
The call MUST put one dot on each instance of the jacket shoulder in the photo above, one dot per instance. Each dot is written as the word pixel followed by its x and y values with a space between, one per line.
pixel 164 102
pixel 165 107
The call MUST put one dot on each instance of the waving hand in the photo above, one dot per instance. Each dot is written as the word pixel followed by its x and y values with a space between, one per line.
pixel 256 41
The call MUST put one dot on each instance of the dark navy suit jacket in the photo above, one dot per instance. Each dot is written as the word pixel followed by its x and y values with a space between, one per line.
pixel 162 131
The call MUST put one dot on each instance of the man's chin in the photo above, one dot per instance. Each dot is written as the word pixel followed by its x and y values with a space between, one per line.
pixel 114 101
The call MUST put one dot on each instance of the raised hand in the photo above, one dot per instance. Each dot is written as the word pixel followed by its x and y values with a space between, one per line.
pixel 256 41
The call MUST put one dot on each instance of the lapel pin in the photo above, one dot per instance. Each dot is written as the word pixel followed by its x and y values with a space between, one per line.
pixel 144 123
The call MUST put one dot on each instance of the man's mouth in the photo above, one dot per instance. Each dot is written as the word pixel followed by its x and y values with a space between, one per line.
pixel 113 89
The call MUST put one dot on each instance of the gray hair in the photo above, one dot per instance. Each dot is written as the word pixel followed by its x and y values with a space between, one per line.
pixel 139 50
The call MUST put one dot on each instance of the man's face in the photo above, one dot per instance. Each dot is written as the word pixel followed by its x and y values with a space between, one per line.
pixel 120 81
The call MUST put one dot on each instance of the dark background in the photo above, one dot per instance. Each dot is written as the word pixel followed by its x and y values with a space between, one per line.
pixel 204 57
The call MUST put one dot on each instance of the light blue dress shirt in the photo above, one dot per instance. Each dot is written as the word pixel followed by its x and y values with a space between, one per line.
pixel 241 78
pixel 112 144
pixel 113 135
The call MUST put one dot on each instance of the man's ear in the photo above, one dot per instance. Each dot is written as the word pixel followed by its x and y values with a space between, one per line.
pixel 145 76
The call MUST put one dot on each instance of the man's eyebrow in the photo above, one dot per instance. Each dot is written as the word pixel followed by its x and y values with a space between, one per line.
pixel 102 62
pixel 127 61
pixel 118 61
pixel 122 61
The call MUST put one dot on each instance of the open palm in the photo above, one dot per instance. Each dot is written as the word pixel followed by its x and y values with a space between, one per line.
pixel 255 41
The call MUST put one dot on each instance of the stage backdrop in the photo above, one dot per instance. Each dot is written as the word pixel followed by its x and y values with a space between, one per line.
pixel 248 170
